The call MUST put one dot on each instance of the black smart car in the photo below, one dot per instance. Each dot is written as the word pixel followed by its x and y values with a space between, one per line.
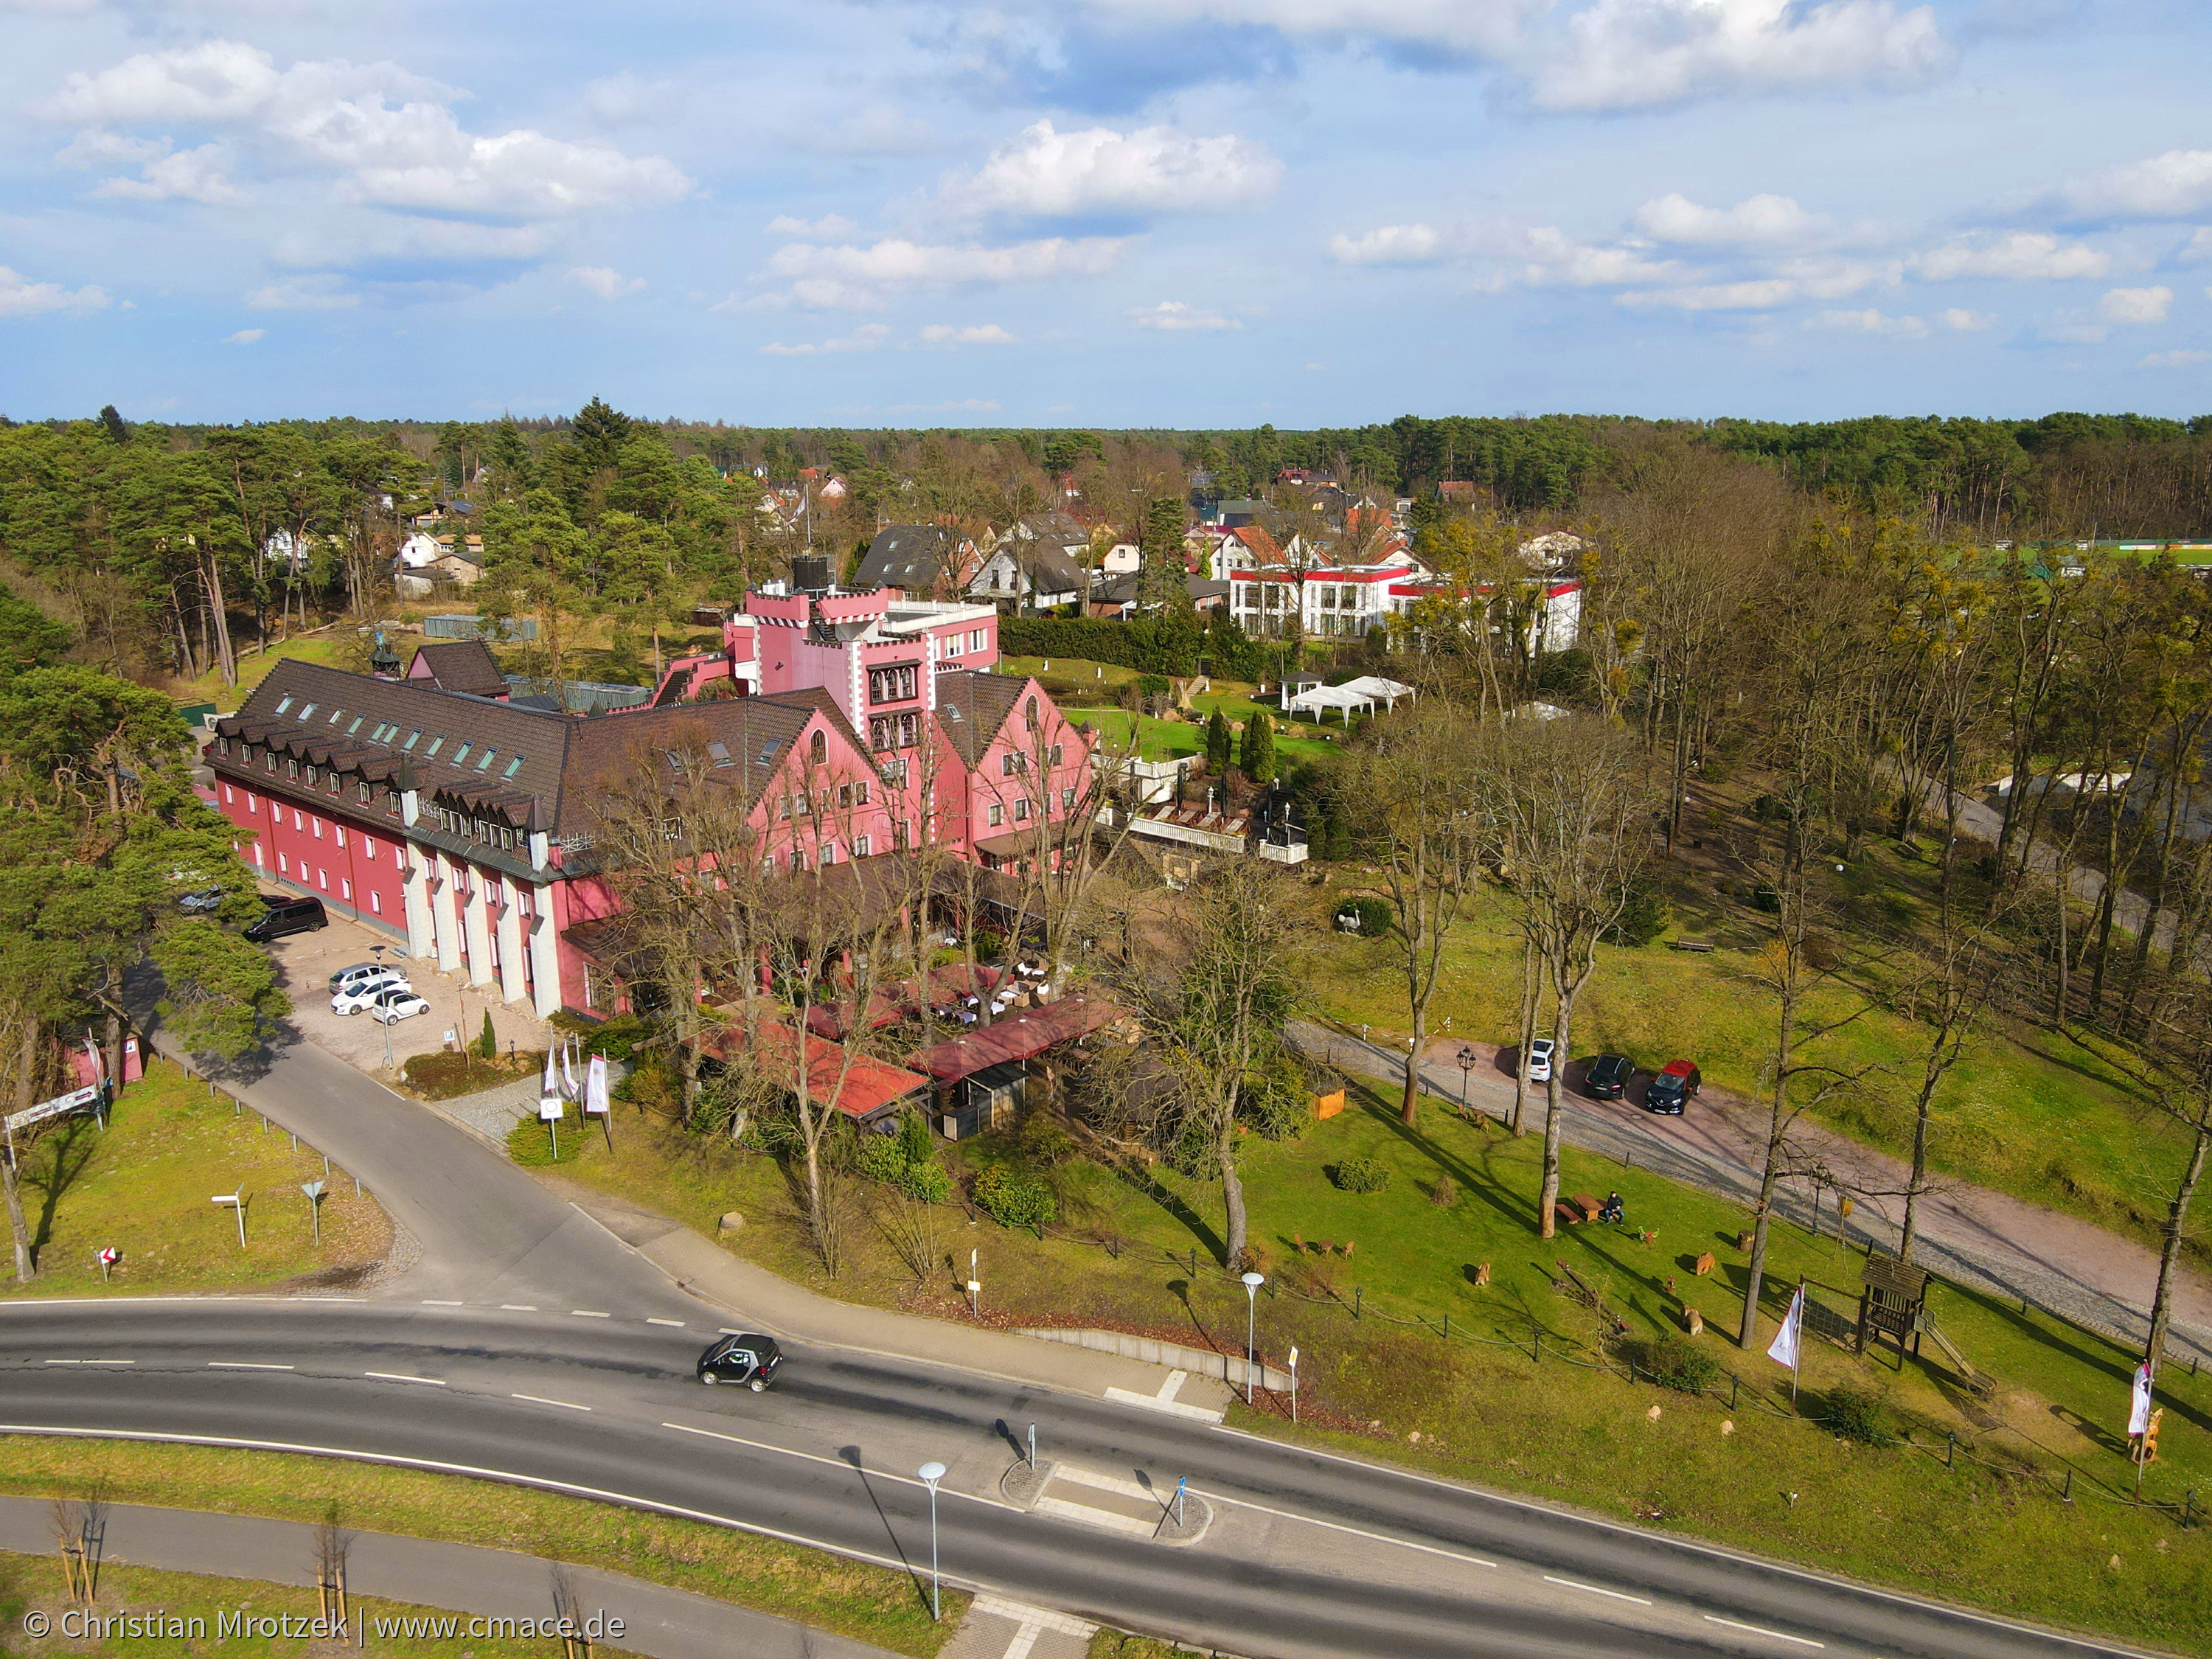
pixel 751 1360
pixel 1608 1076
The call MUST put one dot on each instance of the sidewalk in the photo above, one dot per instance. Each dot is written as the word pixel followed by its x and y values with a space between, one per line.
pixel 1966 1233
pixel 761 1300
pixel 466 1578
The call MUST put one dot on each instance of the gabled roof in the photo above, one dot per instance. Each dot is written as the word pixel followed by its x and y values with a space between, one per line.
pixel 1049 569
pixel 914 557
pixel 459 665
pixel 972 708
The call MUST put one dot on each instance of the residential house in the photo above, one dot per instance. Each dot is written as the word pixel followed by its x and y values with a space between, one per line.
pixel 459 665
pixel 1033 575
pixel 927 560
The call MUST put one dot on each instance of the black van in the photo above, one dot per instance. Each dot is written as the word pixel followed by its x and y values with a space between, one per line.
pixel 286 916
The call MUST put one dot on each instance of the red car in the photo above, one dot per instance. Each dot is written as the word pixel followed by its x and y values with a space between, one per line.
pixel 1677 1082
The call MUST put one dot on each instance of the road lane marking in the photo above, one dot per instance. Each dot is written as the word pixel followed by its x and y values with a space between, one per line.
pixel 1759 1630
pixel 398 1377
pixel 1599 1590
pixel 1338 1526
pixel 587 1313
pixel 676 1322
pixel 91 1362
pixel 727 1331
pixel 431 1302
pixel 243 1365
pixel 518 1307
pixel 816 1457
pixel 540 1400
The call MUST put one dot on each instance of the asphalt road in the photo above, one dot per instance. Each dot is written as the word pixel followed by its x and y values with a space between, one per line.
pixel 1309 1554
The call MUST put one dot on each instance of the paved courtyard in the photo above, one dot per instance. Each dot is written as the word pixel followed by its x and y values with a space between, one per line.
pixel 306 962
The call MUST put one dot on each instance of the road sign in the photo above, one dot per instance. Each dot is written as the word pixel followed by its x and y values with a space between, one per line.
pixel 87 1099
pixel 237 1202
pixel 107 1257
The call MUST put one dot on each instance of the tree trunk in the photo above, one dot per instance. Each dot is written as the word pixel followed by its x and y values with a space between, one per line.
pixel 1547 1196
pixel 1409 1106
pixel 1919 1177
pixel 2177 1223
pixel 1232 1195
pixel 1531 1000
pixel 26 1088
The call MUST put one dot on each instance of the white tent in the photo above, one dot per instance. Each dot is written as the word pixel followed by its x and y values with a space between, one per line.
pixel 1374 686
pixel 1363 694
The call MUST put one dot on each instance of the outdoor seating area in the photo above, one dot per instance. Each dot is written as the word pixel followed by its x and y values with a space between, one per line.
pixel 1362 694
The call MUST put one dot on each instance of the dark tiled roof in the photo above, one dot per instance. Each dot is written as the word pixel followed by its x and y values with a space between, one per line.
pixel 973 707
pixel 911 556
pixel 460 665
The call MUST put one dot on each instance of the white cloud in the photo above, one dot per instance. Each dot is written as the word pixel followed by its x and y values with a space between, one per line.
pixel 245 336
pixel 191 175
pixel 1761 294
pixel 828 226
pixel 1174 317
pixel 21 297
pixel 1554 256
pixel 1051 173
pixel 1757 220
pixel 2178 359
pixel 1390 245
pixel 2174 186
pixel 1965 321
pixel 1870 322
pixel 307 294
pixel 605 282
pixel 1631 54
pixel 2135 306
pixel 976 334
pixel 2198 248
pixel 867 338
pixel 386 133
pixel 2013 256
pixel 847 276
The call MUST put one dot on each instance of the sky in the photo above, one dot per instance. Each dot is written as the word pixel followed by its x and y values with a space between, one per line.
pixel 1112 213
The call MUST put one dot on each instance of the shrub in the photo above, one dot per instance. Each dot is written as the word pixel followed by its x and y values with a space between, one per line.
pixel 914 1137
pixel 1042 1140
pixel 1444 1194
pixel 616 1038
pixel 1644 917
pixel 1678 1364
pixel 1014 1198
pixel 1859 1414
pixel 1361 1174
pixel 488 1040
pixel 1371 918
pixel 925 1181
pixel 880 1158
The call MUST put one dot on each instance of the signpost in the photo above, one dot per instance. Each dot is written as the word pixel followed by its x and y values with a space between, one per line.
pixel 549 1109
pixel 237 1202
pixel 314 1192
pixel 108 1256
pixel 1294 1384
pixel 90 1098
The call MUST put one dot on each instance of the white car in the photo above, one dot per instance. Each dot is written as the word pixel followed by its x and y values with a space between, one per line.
pixel 393 1006
pixel 347 978
pixel 358 996
pixel 1540 1060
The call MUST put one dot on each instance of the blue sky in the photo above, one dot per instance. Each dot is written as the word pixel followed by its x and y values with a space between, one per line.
pixel 1105 212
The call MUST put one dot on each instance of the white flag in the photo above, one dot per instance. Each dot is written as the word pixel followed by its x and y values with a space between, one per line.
pixel 595 1087
pixel 552 1084
pixel 568 1074
pixel 2139 1406
pixel 99 1059
pixel 1785 1351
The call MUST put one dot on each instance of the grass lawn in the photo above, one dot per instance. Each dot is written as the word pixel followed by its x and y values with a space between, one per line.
pixel 34 1583
pixel 142 1185
pixel 2019 1113
pixel 868 1603
pixel 1391 1380
pixel 254 668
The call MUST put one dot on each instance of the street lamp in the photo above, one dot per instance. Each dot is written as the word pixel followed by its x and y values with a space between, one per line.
pixel 1467 1060
pixel 1252 1284
pixel 931 1473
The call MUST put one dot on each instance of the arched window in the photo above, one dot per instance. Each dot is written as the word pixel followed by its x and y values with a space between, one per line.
pixel 1028 713
pixel 818 751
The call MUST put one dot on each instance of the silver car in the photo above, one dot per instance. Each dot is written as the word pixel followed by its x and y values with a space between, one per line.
pixel 358 996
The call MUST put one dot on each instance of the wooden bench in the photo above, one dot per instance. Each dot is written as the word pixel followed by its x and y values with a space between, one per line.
pixel 1701 945
pixel 1578 1209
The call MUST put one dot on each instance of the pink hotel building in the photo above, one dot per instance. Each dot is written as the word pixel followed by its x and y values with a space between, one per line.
pixel 461 823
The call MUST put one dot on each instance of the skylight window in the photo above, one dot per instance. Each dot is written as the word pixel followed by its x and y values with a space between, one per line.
pixel 413 738
pixel 337 714
pixel 486 758
pixel 308 711
pixel 282 703
pixel 355 727
pixel 462 753
pixel 436 744
pixel 512 767
pixel 719 754
pixel 767 751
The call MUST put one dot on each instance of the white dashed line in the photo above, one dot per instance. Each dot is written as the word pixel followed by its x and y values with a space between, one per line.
pixel 1599 1590
pixel 91 1362
pixel 395 1377
pixel 727 1331
pixel 1757 1630
pixel 243 1365
pixel 540 1400
pixel 518 1307
pixel 676 1322
pixel 587 1313
pixel 431 1302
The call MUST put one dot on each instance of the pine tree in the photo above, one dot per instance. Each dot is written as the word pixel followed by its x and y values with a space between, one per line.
pixel 488 1040
pixel 1217 744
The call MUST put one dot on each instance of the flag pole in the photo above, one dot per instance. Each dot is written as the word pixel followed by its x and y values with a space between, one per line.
pixel 1797 1349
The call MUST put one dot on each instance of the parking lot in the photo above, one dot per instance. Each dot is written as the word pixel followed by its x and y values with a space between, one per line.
pixel 307 961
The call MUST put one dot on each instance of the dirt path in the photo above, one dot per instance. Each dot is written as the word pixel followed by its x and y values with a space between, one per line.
pixel 1968 1233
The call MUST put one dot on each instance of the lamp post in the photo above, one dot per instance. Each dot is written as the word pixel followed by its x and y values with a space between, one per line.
pixel 1467 1060
pixel 1252 1284
pixel 931 1473
pixel 1294 1383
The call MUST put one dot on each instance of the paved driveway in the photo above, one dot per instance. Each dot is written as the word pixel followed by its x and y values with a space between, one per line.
pixel 307 961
